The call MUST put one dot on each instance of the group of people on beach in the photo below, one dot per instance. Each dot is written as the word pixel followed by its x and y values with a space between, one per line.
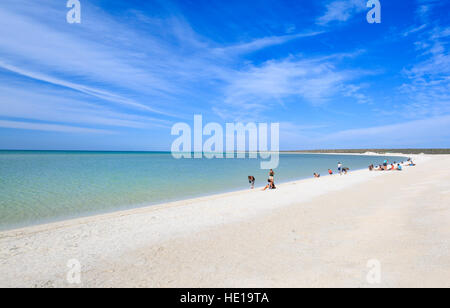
pixel 386 166
pixel 270 181
pixel 341 170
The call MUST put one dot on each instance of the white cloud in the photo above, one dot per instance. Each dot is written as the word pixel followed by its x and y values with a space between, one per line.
pixel 48 104
pixel 429 78
pixel 147 72
pixel 414 30
pixel 98 93
pixel 51 127
pixel 53 53
pixel 314 81
pixel 341 10
pixel 263 43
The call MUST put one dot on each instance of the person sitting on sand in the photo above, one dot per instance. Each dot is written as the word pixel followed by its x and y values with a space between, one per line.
pixel 411 163
pixel 345 170
pixel 316 175
pixel 399 167
pixel 251 180
pixel 330 172
pixel 270 185
pixel 371 168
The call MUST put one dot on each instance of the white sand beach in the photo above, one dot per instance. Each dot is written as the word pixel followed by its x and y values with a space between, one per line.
pixel 309 233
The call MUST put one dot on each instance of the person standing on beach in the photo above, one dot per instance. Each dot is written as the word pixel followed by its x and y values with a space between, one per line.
pixel 271 174
pixel 340 168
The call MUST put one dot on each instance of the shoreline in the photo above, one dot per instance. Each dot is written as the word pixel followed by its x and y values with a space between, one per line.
pixel 230 234
pixel 156 205
pixel 150 208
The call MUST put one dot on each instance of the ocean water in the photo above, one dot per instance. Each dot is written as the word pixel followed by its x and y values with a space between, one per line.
pixel 39 187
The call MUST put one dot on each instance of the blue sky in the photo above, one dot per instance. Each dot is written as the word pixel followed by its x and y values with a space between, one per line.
pixel 131 69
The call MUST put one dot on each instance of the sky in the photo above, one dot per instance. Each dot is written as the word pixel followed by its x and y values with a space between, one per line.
pixel 121 78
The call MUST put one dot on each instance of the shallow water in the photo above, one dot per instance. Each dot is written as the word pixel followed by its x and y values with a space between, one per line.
pixel 39 187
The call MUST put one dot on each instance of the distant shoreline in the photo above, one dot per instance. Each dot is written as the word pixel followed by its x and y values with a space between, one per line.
pixel 416 151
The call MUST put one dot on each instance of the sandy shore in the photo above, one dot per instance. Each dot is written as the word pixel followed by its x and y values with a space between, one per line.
pixel 313 233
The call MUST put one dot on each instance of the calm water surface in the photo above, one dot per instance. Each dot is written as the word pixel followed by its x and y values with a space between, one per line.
pixel 39 187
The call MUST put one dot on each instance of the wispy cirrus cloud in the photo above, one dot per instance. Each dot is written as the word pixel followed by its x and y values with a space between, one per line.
pixel 429 76
pixel 341 10
pixel 51 127
pixel 63 56
pixel 45 103
pixel 312 81
pixel 149 70
pixel 141 69
pixel 425 7
pixel 261 43
pixel 95 92
pixel 414 29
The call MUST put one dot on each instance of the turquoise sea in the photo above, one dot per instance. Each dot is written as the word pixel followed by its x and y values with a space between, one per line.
pixel 42 186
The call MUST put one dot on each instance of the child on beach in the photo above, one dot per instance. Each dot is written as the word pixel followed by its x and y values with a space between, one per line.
pixel 251 180
pixel 316 175
pixel 340 168
pixel 330 172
